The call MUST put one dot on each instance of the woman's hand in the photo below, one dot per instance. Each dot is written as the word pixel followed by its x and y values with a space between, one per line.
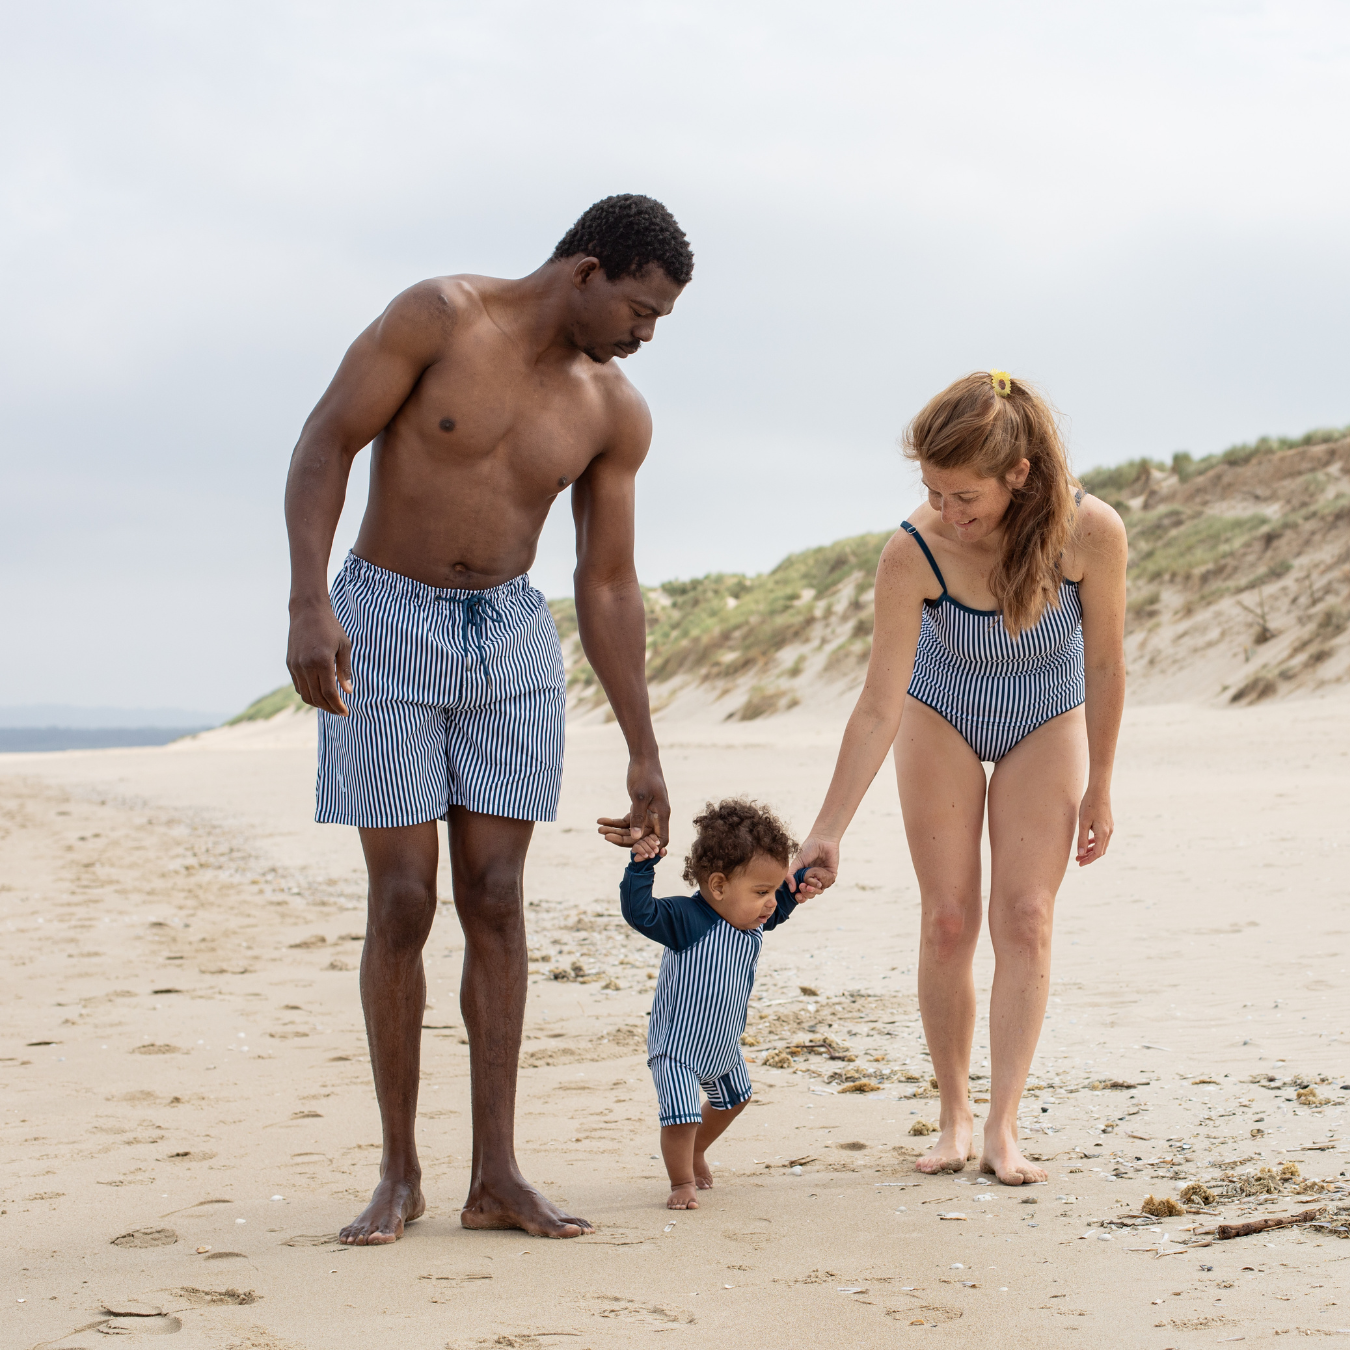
pixel 820 857
pixel 1095 826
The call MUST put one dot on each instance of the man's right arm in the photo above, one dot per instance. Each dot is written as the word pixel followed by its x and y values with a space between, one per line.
pixel 374 380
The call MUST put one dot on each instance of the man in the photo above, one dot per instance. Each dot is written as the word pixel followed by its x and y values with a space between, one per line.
pixel 436 668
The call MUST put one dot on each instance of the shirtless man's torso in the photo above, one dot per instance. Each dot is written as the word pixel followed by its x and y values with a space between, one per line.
pixel 435 666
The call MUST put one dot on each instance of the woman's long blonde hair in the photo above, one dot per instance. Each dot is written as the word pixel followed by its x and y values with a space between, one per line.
pixel 970 426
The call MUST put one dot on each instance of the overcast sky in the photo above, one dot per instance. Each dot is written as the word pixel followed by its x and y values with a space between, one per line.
pixel 1141 206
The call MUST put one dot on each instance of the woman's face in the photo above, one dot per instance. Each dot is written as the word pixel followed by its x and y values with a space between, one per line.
pixel 972 505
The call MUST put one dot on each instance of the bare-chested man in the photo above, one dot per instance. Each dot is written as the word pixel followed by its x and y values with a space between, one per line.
pixel 436 667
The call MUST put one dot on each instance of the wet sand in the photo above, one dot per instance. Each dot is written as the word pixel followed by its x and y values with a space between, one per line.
pixel 183 1061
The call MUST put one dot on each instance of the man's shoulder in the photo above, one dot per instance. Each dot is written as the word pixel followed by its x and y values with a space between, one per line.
pixel 443 301
pixel 627 419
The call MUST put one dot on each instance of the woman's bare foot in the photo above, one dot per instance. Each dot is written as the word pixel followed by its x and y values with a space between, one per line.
pixel 515 1203
pixel 682 1196
pixel 702 1173
pixel 1002 1158
pixel 395 1202
pixel 952 1150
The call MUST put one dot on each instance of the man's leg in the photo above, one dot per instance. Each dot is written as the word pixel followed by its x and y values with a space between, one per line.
pixel 487 858
pixel 401 863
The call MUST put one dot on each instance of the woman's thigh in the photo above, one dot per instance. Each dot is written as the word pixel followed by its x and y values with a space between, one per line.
pixel 942 787
pixel 1034 794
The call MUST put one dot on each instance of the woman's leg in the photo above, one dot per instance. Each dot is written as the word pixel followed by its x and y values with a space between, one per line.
pixel 1033 813
pixel 942 788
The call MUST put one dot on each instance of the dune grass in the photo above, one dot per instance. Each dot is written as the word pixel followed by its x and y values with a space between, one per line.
pixel 269 705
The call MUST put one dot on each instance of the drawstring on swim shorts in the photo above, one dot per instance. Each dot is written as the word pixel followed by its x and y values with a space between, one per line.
pixel 476 610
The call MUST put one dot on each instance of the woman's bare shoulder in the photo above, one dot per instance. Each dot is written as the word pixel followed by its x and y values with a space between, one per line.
pixel 1099 533
pixel 904 571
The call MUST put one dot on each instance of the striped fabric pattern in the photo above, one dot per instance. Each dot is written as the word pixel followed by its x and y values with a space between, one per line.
pixel 702 992
pixel 458 700
pixel 992 689
pixel 677 1088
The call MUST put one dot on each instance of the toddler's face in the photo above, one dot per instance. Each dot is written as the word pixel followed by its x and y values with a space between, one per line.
pixel 746 898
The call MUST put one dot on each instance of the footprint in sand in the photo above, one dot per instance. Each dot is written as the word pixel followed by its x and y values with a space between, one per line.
pixel 146 1237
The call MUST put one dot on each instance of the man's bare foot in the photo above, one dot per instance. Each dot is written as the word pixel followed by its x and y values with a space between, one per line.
pixel 703 1177
pixel 1002 1158
pixel 393 1204
pixel 516 1204
pixel 952 1150
pixel 682 1197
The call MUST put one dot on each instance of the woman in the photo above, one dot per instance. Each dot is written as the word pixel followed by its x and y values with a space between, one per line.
pixel 1000 612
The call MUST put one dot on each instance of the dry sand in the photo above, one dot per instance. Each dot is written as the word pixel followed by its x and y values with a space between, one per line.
pixel 183 1061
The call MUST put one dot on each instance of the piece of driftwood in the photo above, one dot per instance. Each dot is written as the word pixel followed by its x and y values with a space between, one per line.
pixel 1236 1230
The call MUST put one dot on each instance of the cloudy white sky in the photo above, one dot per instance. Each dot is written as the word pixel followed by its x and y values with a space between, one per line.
pixel 1142 206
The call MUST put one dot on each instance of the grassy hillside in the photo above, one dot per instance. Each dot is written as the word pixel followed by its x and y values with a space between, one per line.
pixel 269 705
pixel 1239 582
pixel 1239 590
pixel 726 631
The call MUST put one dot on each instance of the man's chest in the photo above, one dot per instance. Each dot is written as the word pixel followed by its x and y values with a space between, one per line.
pixel 539 432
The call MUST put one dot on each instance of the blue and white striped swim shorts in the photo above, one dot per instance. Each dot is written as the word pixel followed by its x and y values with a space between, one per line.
pixel 458 700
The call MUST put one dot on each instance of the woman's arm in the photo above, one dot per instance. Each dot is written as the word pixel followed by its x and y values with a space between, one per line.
pixel 1103 549
pixel 903 577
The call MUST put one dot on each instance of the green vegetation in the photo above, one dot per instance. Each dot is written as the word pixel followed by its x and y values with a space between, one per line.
pixel 1174 541
pixel 1111 484
pixel 724 626
pixel 269 705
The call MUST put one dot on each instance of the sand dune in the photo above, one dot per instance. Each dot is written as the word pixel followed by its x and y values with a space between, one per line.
pixel 188 1114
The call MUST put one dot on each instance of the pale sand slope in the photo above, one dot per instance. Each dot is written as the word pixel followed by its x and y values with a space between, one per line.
pixel 203 1063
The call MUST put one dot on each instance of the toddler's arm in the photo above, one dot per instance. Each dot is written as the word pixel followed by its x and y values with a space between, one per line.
pixel 673 922
pixel 787 902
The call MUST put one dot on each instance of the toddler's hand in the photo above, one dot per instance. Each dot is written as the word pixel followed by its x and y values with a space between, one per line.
pixel 620 834
pixel 820 857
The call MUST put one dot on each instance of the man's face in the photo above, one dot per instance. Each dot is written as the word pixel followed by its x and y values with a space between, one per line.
pixel 614 318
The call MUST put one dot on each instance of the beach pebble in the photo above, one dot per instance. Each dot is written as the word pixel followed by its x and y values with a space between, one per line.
pixel 796 1171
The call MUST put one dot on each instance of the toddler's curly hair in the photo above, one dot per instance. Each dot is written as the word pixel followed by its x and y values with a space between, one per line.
pixel 730 834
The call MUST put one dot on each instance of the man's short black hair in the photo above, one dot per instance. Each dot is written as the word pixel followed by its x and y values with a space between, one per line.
pixel 627 232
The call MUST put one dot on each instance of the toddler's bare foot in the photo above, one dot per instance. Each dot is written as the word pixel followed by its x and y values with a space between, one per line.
pixel 702 1173
pixel 1002 1158
pixel 952 1150
pixel 682 1197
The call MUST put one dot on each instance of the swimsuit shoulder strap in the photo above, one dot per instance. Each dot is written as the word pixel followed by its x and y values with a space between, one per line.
pixel 927 552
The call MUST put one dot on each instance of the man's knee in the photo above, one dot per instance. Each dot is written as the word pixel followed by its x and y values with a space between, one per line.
pixel 401 910
pixel 491 896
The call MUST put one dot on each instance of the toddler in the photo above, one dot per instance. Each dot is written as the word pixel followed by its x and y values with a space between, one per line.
pixel 712 939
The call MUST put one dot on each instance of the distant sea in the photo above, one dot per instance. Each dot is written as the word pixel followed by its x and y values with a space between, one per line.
pixel 87 738
pixel 62 726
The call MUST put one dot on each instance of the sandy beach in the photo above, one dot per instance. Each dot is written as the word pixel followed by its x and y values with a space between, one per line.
pixel 188 1115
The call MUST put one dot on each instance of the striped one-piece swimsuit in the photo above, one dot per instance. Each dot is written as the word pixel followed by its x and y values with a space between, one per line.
pixel 992 688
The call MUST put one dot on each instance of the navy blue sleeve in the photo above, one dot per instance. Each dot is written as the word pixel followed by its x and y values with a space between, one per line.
pixel 786 903
pixel 677 922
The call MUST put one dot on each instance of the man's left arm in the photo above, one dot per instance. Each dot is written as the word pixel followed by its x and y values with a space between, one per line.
pixel 611 620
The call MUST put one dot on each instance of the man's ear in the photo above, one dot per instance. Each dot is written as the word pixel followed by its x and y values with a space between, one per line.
pixel 585 269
